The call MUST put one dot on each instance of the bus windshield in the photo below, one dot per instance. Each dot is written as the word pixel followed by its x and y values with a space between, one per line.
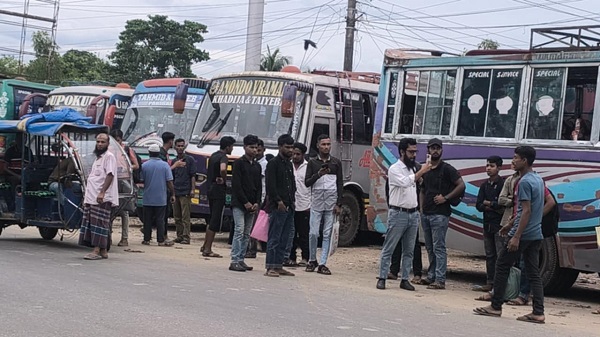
pixel 149 115
pixel 237 107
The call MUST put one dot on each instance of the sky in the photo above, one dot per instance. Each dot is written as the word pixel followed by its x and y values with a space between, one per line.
pixel 447 25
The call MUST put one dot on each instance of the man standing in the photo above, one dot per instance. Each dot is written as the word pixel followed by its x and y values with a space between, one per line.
pixel 168 139
pixel 217 187
pixel 101 194
pixel 281 191
pixel 123 183
pixel 324 175
pixel 403 214
pixel 487 202
pixel 184 182
pixel 246 191
pixel 440 185
pixel 524 239
pixel 301 208
pixel 262 161
pixel 158 178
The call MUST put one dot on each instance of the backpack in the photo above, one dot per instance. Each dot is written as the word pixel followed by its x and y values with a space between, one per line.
pixel 550 221
pixel 137 173
pixel 456 200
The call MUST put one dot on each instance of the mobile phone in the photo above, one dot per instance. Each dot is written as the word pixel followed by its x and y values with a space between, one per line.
pixel 324 166
pixel 428 158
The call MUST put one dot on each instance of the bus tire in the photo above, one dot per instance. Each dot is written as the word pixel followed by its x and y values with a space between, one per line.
pixel 556 280
pixel 48 233
pixel 349 219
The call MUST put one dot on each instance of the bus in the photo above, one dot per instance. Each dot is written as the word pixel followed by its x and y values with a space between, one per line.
pixel 487 103
pixel 339 104
pixel 104 104
pixel 151 112
pixel 13 93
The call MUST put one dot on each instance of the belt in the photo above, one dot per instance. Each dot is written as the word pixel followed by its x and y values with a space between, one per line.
pixel 402 209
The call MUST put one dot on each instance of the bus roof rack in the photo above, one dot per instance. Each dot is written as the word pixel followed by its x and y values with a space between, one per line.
pixel 565 38
pixel 368 77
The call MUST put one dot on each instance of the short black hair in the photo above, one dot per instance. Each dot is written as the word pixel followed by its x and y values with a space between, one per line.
pixel 250 140
pixel 285 140
pixel 167 136
pixel 405 142
pixel 226 142
pixel 526 152
pixel 301 147
pixel 321 137
pixel 116 133
pixel 261 143
pixel 495 160
pixel 179 140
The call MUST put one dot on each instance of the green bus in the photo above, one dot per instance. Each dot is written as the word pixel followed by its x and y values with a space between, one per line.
pixel 12 94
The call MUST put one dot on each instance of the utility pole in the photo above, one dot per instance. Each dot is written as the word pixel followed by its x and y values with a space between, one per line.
pixel 256 12
pixel 350 27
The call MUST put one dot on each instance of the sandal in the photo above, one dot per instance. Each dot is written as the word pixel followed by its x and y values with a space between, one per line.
pixel 323 270
pixel 436 286
pixel 487 311
pixel 597 312
pixel 92 256
pixel 519 301
pixel 530 319
pixel 485 297
pixel 211 254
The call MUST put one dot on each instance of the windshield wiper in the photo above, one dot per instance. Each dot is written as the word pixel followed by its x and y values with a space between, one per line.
pixel 207 136
pixel 142 136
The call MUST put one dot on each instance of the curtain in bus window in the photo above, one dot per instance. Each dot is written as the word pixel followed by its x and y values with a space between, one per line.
pixel 504 103
pixel 474 102
pixel 391 101
pixel 546 102
pixel 422 88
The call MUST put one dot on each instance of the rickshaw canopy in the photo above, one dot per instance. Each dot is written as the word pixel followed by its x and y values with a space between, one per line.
pixel 52 123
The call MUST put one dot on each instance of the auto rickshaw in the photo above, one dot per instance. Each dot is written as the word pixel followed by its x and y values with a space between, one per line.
pixel 44 173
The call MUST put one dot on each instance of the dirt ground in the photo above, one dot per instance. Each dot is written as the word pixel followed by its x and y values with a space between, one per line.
pixel 357 267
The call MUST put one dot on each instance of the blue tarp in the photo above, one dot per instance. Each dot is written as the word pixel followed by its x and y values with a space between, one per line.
pixel 51 123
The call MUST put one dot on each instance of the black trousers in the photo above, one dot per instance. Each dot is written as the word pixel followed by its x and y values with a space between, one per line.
pixel 216 205
pixel 302 228
pixel 417 259
pixel 154 216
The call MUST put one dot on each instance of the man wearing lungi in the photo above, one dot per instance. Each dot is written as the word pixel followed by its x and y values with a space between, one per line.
pixel 101 194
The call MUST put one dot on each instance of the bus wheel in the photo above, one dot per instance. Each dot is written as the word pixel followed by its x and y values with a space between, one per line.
pixel 349 219
pixel 556 280
pixel 48 233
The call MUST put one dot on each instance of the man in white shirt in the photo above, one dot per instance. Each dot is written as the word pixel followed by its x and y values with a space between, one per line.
pixel 403 215
pixel 302 214
pixel 101 195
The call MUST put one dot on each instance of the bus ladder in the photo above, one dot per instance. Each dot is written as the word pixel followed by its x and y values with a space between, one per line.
pixel 345 144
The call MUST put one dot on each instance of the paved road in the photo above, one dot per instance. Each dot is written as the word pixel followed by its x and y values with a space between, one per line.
pixel 46 289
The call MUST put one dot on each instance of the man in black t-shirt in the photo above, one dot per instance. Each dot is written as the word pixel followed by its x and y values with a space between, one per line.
pixel 440 185
pixel 216 180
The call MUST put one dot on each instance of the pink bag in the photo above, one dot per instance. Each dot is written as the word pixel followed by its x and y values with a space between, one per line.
pixel 260 231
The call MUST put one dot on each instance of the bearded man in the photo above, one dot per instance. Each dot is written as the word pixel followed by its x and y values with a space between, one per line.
pixel 101 195
pixel 403 214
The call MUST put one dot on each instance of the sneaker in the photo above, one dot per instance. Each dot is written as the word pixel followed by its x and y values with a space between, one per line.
pixel 437 286
pixel 404 284
pixel 303 263
pixel 178 240
pixel 166 243
pixel 147 243
pixel 311 266
pixel 381 284
pixel 123 243
pixel 272 273
pixel 243 264
pixel 284 272
pixel 235 266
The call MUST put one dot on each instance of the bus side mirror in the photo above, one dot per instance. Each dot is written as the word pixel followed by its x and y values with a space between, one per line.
pixel 180 98
pixel 288 100
pixel 109 115
pixel 91 112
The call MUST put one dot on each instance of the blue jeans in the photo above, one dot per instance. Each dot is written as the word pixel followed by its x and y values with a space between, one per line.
pixel 401 226
pixel 313 235
pixel 435 227
pixel 243 225
pixel 280 226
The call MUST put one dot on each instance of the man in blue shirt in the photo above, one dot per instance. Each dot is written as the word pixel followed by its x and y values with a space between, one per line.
pixel 524 239
pixel 157 177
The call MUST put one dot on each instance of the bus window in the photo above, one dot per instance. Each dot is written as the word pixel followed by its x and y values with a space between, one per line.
pixel 546 102
pixel 489 103
pixel 434 101
pixel 579 103
pixel 407 112
pixel 362 124
pixel 318 129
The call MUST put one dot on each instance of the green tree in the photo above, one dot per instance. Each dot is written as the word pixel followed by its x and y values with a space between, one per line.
pixel 47 65
pixel 488 44
pixel 84 66
pixel 274 61
pixel 9 66
pixel 158 48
